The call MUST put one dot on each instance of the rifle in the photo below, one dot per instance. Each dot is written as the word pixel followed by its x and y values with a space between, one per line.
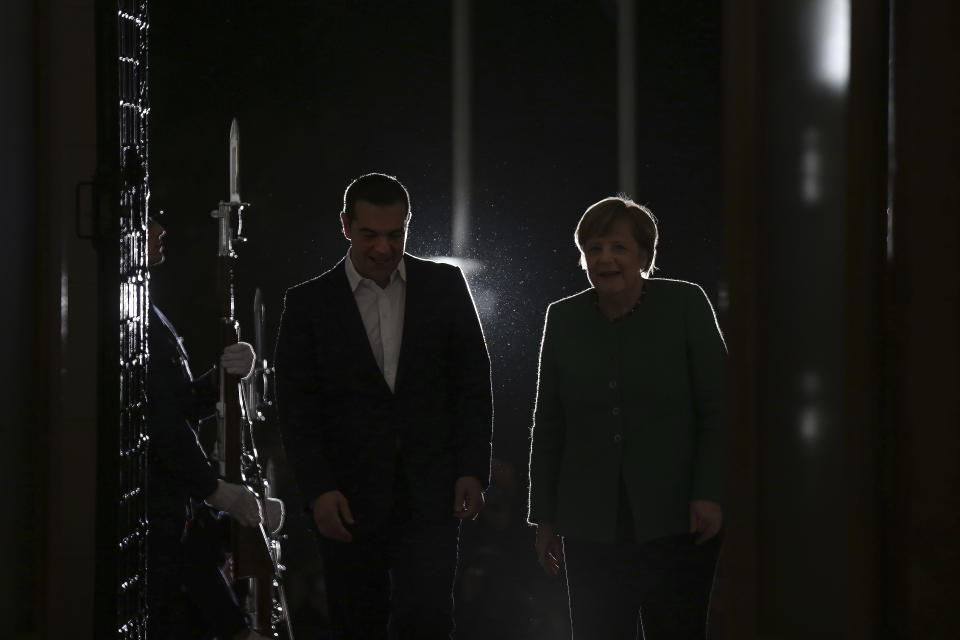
pixel 255 552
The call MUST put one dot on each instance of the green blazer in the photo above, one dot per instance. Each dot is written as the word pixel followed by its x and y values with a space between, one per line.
pixel 641 397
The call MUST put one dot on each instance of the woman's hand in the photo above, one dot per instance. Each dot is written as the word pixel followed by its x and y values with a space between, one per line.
pixel 706 518
pixel 549 548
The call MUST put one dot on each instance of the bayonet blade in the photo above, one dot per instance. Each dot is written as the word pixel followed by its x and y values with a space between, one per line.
pixel 258 385
pixel 234 161
pixel 259 313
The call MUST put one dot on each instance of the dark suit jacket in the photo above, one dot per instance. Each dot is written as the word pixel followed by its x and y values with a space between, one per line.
pixel 344 429
pixel 641 398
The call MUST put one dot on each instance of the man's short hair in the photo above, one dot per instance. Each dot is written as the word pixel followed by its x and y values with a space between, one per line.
pixel 601 216
pixel 376 188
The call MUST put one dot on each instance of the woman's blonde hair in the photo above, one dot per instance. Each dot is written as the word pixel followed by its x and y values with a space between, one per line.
pixel 601 216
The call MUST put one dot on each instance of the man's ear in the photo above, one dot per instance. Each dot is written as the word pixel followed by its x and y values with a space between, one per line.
pixel 345 223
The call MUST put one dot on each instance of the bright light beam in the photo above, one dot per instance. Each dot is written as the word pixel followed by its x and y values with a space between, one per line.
pixel 831 43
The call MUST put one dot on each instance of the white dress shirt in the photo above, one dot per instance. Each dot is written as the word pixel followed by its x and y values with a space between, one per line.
pixel 382 312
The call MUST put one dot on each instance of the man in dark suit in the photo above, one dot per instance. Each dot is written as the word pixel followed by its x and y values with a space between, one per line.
pixel 383 388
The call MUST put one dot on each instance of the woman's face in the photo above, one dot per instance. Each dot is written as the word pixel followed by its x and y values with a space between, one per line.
pixel 614 260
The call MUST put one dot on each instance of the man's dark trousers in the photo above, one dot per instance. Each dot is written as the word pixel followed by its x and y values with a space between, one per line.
pixel 399 576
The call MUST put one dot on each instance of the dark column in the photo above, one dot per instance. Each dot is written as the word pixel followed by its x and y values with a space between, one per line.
pixel 741 239
pixel 66 344
pixel 805 85
pixel 842 241
pixel 20 475
pixel 867 300
pixel 923 448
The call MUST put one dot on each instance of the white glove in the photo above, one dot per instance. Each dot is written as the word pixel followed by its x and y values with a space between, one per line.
pixel 237 500
pixel 238 359
pixel 274 517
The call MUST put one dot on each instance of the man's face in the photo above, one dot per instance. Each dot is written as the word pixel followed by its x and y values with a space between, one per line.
pixel 155 234
pixel 377 235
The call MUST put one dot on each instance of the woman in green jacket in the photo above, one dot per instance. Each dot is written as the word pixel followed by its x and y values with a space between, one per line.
pixel 626 459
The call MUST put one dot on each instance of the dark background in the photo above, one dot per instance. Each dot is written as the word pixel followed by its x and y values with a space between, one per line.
pixel 840 243
pixel 327 91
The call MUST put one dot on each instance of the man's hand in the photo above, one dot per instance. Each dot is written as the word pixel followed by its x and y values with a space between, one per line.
pixel 467 498
pixel 330 511
pixel 706 518
pixel 238 359
pixel 549 548
pixel 237 500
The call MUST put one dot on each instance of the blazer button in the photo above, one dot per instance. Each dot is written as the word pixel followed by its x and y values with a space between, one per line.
pixel 616 411
pixel 617 438
pixel 613 384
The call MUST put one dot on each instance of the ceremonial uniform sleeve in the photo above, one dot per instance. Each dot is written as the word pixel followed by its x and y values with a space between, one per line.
pixel 548 433
pixel 206 393
pixel 174 449
pixel 706 352
pixel 470 386
pixel 298 398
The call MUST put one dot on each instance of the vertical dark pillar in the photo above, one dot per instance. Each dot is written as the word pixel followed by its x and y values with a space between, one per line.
pixel 742 163
pixel 844 316
pixel 20 475
pixel 923 461
pixel 64 348
pixel 867 300
pixel 106 239
pixel 805 151
pixel 800 525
